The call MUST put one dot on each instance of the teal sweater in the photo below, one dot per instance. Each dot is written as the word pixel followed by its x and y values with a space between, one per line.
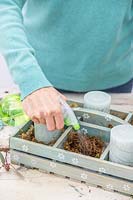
pixel 75 45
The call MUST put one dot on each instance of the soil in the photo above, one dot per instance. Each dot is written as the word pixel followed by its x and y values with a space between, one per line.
pixel 74 105
pixel 131 122
pixel 110 126
pixel 84 144
pixel 4 149
pixel 120 115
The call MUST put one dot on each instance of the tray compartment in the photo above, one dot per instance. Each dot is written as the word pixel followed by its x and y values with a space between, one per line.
pixel 119 114
pixel 86 130
pixel 97 117
pixel 24 131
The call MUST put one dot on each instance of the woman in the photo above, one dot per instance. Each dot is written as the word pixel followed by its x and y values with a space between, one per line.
pixel 72 45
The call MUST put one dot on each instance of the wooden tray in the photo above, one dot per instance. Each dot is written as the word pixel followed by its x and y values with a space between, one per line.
pixel 97 171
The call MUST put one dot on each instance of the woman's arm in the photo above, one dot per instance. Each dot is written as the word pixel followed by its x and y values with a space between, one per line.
pixel 41 105
pixel 14 46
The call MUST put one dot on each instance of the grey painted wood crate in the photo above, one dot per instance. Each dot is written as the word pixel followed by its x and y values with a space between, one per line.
pixel 96 171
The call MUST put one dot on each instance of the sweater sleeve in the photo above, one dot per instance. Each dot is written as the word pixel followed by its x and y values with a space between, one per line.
pixel 19 54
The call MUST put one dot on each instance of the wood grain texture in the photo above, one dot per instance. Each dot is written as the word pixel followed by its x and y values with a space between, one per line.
pixel 89 177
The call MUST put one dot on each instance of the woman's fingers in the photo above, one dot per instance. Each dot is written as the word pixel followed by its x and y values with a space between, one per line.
pixel 59 120
pixel 51 126
pixel 43 106
pixel 34 119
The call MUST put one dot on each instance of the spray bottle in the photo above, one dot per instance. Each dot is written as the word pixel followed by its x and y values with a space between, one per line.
pixel 69 116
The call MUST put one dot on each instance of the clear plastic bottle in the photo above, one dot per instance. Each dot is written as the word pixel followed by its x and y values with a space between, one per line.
pixel 69 116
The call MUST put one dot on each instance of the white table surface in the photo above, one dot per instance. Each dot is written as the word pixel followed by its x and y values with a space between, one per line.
pixel 41 186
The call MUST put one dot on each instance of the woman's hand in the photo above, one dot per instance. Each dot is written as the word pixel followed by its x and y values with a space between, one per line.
pixel 42 106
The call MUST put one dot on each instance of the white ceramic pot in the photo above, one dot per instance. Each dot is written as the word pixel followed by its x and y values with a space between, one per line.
pixel 97 100
pixel 121 144
pixel 42 134
pixel 115 159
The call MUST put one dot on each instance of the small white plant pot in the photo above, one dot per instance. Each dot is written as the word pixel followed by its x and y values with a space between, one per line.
pixel 97 100
pixel 42 134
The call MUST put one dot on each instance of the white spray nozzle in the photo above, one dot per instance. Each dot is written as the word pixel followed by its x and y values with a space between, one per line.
pixel 69 116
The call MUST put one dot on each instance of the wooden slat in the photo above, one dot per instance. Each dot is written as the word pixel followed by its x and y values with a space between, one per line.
pixel 104 155
pixel 97 179
pixel 62 137
pixel 129 117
